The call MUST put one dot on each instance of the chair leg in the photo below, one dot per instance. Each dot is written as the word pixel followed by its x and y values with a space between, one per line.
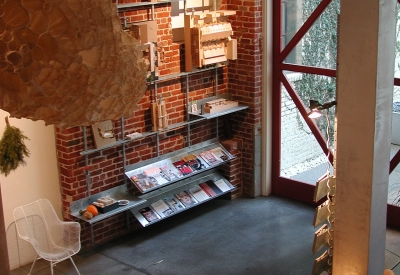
pixel 51 268
pixel 33 264
pixel 72 261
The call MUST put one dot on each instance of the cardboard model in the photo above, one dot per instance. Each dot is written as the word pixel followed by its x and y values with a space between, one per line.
pixel 68 63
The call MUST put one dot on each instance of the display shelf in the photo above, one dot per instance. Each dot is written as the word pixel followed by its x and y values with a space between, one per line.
pixel 143 4
pixel 117 193
pixel 141 174
pixel 143 135
pixel 194 71
pixel 170 190
pixel 222 113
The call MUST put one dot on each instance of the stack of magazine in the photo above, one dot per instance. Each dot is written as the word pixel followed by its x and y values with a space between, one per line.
pixel 170 170
pixel 184 199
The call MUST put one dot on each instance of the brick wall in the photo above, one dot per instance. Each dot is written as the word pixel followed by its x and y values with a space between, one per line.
pixel 245 83
pixel 105 167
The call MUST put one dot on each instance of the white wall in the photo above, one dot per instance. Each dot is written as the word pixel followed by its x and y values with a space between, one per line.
pixel 39 178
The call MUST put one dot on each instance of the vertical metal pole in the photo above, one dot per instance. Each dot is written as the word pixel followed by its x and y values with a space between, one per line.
pixel 187 111
pixel 123 146
pixel 87 171
pixel 216 94
pixel 152 12
pixel 157 134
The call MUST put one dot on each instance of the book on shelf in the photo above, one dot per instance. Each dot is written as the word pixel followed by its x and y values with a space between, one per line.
pixel 148 214
pixel 161 208
pixel 174 203
pixel 219 153
pixel 171 172
pixel 210 188
pixel 144 182
pixel 221 184
pixel 158 174
pixel 198 193
pixel 209 157
pixel 185 198
pixel 183 167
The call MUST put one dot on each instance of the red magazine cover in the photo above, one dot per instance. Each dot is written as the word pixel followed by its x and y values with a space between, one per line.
pixel 183 167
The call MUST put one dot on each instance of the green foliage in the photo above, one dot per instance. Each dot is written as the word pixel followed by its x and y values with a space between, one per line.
pixel 319 49
pixel 397 49
pixel 12 150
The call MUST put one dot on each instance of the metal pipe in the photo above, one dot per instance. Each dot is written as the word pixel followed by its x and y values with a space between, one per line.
pixel 187 111
pixel 87 171
pixel 216 94
pixel 123 146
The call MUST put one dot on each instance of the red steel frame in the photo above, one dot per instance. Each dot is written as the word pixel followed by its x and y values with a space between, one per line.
pixel 284 186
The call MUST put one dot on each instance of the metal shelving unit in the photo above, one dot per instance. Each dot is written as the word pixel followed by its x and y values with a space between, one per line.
pixel 120 192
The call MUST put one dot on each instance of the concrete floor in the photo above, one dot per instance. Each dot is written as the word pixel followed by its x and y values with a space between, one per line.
pixel 269 236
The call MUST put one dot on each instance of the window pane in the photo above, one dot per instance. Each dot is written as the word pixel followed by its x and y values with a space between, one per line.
pixel 302 158
pixel 394 180
pixel 318 46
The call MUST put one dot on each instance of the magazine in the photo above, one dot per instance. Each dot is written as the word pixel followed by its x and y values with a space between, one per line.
pixel 185 198
pixel 210 188
pixel 219 154
pixel 156 173
pixel 174 203
pixel 198 193
pixel 148 214
pixel 209 157
pixel 194 162
pixel 171 172
pixel 161 208
pixel 144 182
pixel 183 167
pixel 221 184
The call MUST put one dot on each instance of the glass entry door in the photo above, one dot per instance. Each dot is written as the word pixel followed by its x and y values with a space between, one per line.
pixel 305 42
pixel 305 50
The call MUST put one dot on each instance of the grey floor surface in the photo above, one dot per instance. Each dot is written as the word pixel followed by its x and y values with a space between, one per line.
pixel 269 236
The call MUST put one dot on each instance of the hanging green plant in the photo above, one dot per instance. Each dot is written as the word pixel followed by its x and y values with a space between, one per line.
pixel 12 149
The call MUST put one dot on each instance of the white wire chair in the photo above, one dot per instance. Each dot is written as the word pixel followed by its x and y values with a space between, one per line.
pixel 52 239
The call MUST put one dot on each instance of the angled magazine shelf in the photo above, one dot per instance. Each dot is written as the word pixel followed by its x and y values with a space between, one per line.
pixel 175 166
pixel 119 193
pixel 173 199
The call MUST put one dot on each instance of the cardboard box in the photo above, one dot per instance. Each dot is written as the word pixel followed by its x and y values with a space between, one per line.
pixel 145 31
pixel 219 105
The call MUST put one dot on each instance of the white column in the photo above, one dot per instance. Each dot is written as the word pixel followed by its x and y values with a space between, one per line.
pixel 364 107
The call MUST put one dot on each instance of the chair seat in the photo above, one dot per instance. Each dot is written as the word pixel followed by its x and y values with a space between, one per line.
pixel 56 254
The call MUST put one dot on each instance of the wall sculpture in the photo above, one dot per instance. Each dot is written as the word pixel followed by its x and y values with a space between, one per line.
pixel 67 62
